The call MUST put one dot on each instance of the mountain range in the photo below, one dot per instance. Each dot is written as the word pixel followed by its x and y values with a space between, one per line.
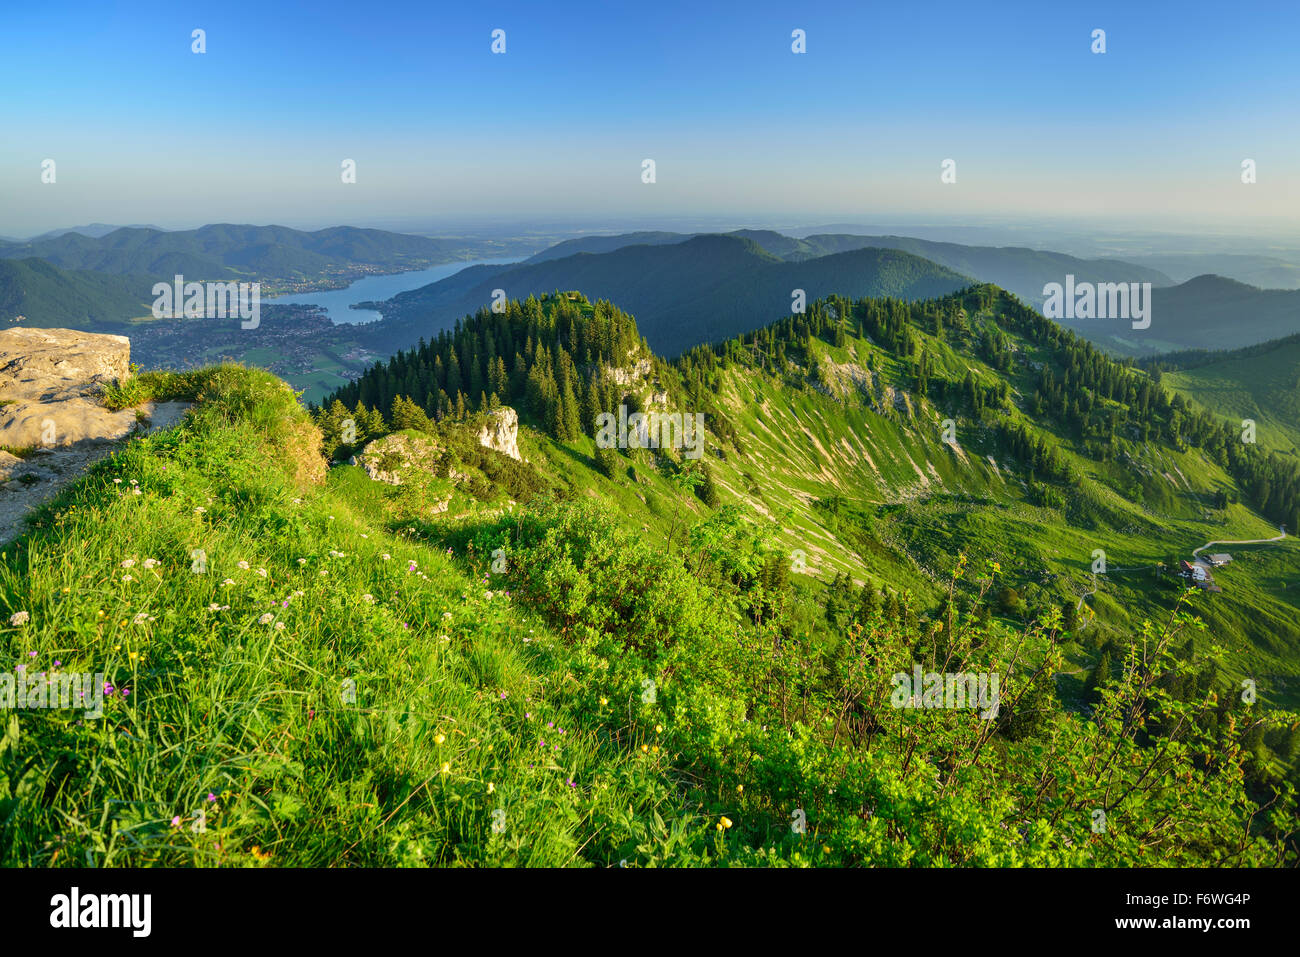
pixel 687 291
pixel 270 254
pixel 704 289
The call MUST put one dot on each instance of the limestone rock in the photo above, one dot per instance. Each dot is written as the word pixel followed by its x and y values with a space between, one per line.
pixel 50 404
pixel 49 364
pixel 502 432
pixel 393 458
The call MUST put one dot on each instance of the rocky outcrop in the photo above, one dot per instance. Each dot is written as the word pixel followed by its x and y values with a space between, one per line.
pixel 501 432
pixel 52 414
pixel 395 459
pixel 638 370
pixel 50 380
pixel 46 363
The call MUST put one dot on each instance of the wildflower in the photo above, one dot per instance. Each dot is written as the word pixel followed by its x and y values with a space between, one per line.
pixel 214 607
pixel 386 556
pixel 487 595
pixel 368 598
pixel 439 738
pixel 446 614
pixel 724 823
pixel 211 797
pixel 200 510
pixel 19 618
pixel 228 581
pixel 446 766
pixel 151 562
pixel 659 729
pixel 279 626
pixel 117 481
pixel 129 563
pixel 302 561
pixel 243 565
pixel 176 821
pixel 265 619
pixel 740 789
pixel 262 572
pixel 604 701
pixel 324 573
pixel 127 578
pixel 136 491
pixel 491 788
pixel 443 638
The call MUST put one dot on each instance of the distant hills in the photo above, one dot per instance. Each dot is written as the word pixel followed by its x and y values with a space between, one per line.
pixel 684 289
pixel 93 230
pixel 1261 383
pixel 1017 269
pixel 703 289
pixel 1265 272
pixel 266 253
pixel 50 297
pixel 1208 312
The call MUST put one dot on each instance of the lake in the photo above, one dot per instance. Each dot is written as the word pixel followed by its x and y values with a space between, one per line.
pixel 335 302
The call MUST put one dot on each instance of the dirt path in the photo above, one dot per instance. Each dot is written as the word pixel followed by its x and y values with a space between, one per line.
pixel 1251 541
pixel 27 483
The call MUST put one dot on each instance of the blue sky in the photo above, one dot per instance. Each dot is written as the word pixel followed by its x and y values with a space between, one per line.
pixel 255 129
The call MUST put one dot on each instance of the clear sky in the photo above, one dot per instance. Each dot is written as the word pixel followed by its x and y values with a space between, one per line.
pixel 144 131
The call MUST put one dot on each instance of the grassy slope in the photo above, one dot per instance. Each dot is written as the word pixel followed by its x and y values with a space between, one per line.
pixel 466 704
pixel 1265 388
pixel 50 297
pixel 930 503
pixel 444 674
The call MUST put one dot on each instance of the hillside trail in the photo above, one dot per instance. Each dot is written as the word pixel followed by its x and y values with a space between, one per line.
pixel 54 423
pixel 1250 541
